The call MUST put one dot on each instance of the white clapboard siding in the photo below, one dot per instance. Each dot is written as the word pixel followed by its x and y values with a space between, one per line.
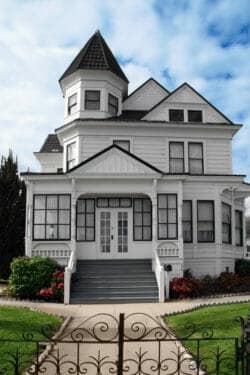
pixel 151 149
pixel 218 156
pixel 92 145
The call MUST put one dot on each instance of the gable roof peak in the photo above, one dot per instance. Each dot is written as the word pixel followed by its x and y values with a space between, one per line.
pixel 95 55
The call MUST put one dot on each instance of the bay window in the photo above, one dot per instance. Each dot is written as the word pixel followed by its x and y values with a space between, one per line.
pixel 226 223
pixel 176 157
pixel 142 214
pixel 92 99
pixel 167 216
pixel 112 104
pixel 238 228
pixel 195 158
pixel 187 221
pixel 72 104
pixel 85 219
pixel 205 221
pixel 71 155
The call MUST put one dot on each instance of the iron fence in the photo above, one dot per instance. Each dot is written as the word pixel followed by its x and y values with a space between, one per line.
pixel 133 344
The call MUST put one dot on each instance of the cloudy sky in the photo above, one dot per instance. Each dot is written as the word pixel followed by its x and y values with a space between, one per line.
pixel 204 42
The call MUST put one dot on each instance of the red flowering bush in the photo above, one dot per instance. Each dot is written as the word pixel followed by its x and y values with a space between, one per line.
pixel 184 287
pixel 56 289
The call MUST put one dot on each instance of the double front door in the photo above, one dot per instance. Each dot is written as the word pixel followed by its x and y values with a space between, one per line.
pixel 114 232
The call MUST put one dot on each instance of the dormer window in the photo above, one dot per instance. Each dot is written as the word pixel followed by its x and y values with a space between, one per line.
pixel 176 115
pixel 112 105
pixel 71 155
pixel 92 100
pixel 194 116
pixel 72 104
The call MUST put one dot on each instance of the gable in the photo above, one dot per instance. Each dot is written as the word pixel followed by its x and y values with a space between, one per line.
pixel 115 162
pixel 185 97
pixel 146 96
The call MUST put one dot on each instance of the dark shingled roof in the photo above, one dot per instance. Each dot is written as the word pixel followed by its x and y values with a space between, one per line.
pixel 95 55
pixel 51 144
pixel 131 115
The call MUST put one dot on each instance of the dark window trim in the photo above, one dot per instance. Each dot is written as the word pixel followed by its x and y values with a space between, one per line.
pixel 206 201
pixel 91 100
pixel 45 224
pixel 142 226
pixel 170 158
pixel 240 228
pixel 171 110
pixel 85 213
pixel 67 155
pixel 122 140
pixel 119 206
pixel 195 143
pixel 72 105
pixel 229 224
pixel 167 238
pixel 116 107
pixel 195 110
pixel 189 221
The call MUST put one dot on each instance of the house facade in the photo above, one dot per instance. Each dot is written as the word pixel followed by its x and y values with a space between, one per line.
pixel 140 176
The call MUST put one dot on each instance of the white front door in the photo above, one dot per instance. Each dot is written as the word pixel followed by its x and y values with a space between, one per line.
pixel 114 234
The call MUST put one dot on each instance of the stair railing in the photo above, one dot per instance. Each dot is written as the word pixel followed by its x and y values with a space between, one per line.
pixel 159 275
pixel 67 276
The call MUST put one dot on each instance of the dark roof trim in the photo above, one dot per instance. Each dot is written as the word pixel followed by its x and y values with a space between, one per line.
pixel 51 145
pixel 196 92
pixel 120 149
pixel 143 84
pixel 42 173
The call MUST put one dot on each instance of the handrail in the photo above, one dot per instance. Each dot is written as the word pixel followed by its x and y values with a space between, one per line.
pixel 159 275
pixel 67 276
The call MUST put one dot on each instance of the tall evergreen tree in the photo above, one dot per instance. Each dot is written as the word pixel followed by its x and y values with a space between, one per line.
pixel 12 213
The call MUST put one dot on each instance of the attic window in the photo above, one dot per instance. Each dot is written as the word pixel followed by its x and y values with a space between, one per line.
pixel 113 105
pixel 176 115
pixel 194 116
pixel 92 99
pixel 72 104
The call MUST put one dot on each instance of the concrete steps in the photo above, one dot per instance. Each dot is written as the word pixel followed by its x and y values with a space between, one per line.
pixel 114 281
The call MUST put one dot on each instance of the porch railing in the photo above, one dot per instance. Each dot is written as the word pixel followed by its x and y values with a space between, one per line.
pixel 159 275
pixel 52 253
pixel 67 276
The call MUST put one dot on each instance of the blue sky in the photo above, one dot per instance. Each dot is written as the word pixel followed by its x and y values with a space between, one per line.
pixel 203 42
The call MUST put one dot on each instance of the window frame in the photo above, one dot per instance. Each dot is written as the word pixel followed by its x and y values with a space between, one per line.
pixel 198 221
pixel 72 106
pixel 192 111
pixel 170 158
pixel 113 106
pixel 172 110
pixel 189 158
pixel 115 141
pixel 167 223
pixel 86 100
pixel 142 226
pixel 240 244
pixel 67 155
pixel 110 206
pixel 188 221
pixel 228 224
pixel 85 213
pixel 45 219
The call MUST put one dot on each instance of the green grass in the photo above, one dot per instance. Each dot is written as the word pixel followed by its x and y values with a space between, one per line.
pixel 14 322
pixel 222 319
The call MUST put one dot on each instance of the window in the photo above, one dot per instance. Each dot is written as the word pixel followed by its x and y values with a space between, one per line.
pixel 195 158
pixel 238 228
pixel 205 221
pixel 176 115
pixel 92 99
pixel 51 217
pixel 123 144
pixel 113 104
pixel 142 213
pixel 187 221
pixel 176 157
pixel 194 116
pixel 72 104
pixel 114 202
pixel 226 223
pixel 71 155
pixel 167 216
pixel 85 220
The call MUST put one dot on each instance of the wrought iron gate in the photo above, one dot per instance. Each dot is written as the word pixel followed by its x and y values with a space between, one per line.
pixel 133 344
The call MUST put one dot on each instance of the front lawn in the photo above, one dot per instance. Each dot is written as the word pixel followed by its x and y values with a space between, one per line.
pixel 16 322
pixel 222 319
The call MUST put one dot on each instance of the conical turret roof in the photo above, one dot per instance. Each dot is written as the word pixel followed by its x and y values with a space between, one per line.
pixel 95 55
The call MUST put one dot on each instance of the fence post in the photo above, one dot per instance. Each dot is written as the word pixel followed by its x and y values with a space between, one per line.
pixel 120 345
pixel 247 345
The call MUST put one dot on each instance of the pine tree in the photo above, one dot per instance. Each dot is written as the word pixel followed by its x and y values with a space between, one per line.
pixel 12 213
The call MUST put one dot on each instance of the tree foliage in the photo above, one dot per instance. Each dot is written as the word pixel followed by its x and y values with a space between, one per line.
pixel 12 213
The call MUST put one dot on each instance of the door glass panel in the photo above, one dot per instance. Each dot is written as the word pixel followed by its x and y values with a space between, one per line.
pixel 105 231
pixel 122 232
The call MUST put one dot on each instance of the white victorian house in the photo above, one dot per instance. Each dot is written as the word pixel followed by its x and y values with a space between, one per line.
pixel 130 182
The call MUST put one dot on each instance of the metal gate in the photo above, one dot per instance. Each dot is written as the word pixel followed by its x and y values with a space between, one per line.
pixel 133 344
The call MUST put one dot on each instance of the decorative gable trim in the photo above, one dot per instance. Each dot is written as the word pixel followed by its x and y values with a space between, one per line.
pixel 144 84
pixel 185 84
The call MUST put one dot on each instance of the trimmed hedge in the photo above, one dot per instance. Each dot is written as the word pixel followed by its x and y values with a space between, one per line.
pixel 30 275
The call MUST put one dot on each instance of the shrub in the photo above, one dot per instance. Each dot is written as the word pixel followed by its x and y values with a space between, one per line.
pixel 242 267
pixel 184 287
pixel 208 285
pixel 56 290
pixel 29 275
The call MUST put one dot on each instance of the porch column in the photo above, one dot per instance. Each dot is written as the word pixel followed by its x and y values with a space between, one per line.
pixel 154 215
pixel 180 206
pixel 29 223
pixel 73 218
pixel 233 220
pixel 218 229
